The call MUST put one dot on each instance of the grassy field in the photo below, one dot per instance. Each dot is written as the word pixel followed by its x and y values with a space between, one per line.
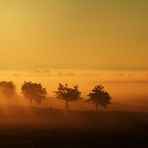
pixel 22 127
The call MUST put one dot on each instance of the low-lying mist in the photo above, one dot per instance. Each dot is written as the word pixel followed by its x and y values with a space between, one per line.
pixel 128 92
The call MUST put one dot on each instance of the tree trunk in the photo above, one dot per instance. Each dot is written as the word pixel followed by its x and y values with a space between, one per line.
pixel 31 103
pixel 8 101
pixel 67 107
pixel 97 107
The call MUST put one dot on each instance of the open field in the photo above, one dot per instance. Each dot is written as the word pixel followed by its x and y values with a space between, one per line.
pixel 42 128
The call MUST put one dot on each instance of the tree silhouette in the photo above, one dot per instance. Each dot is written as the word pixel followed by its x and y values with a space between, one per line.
pixel 8 89
pixel 34 92
pixel 99 97
pixel 68 94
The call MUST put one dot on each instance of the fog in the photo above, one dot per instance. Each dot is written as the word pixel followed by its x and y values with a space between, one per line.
pixel 126 87
pixel 129 102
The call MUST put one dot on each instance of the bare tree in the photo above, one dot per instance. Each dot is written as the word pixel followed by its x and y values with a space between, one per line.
pixel 68 94
pixel 99 97
pixel 8 89
pixel 34 92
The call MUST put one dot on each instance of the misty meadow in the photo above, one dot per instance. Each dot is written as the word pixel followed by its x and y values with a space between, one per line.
pixel 73 73
pixel 33 124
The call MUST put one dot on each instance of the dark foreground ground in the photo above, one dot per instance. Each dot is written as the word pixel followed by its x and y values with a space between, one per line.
pixel 44 128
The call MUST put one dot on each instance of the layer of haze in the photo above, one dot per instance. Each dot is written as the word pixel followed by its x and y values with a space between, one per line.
pixel 82 42
pixel 125 87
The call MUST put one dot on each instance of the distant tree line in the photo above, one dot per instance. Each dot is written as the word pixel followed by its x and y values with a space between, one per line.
pixel 35 92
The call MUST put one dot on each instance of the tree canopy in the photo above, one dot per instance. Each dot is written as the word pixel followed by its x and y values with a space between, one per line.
pixel 34 92
pixel 99 97
pixel 8 88
pixel 68 94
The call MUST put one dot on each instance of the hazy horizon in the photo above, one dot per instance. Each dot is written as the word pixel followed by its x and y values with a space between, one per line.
pixel 84 42
pixel 99 45
pixel 125 86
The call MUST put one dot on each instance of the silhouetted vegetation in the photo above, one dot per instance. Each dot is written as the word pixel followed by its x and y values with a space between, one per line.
pixel 34 92
pixel 99 97
pixel 8 89
pixel 68 94
pixel 22 126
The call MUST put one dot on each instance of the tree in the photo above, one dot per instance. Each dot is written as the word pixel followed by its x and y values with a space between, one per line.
pixel 34 92
pixel 68 94
pixel 99 97
pixel 8 89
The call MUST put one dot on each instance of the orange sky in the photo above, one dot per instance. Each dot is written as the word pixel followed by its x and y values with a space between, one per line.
pixel 83 42
pixel 73 34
